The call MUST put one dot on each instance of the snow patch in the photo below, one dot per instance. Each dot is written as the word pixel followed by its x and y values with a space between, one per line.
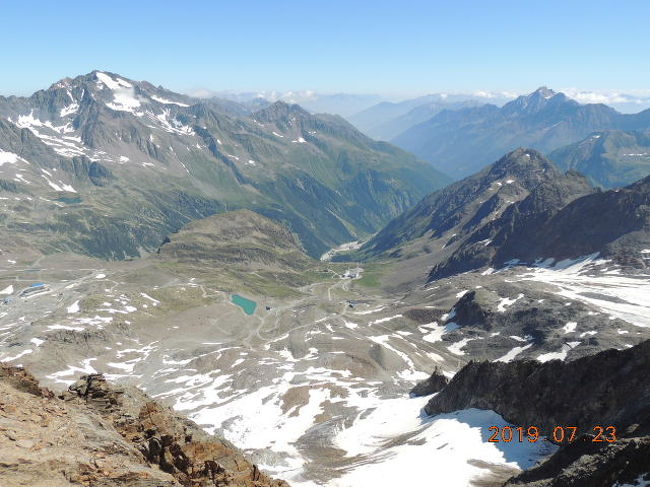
pixel 384 320
pixel 639 482
pixel 570 327
pixel 588 333
pixel 74 307
pixel 435 331
pixel 445 444
pixel 154 301
pixel 624 297
pixel 513 353
pixel 124 99
pixel 457 348
pixel 165 101
pixel 71 371
pixel 16 357
pixel 505 302
pixel 8 158
pixel 8 290
pixel 561 355
pixel 69 110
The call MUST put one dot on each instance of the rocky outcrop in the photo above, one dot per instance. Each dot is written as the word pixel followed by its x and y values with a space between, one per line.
pixel 476 308
pixel 434 383
pixel 588 464
pixel 22 381
pixel 98 435
pixel 512 321
pixel 176 445
pixel 609 388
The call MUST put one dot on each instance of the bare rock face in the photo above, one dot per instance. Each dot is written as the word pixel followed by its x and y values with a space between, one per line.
pixel 173 443
pixel 588 464
pixel 533 318
pixel 22 381
pixel 435 383
pixel 98 435
pixel 609 388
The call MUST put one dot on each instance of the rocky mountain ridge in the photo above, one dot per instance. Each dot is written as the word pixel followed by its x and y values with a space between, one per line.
pixel 613 224
pixel 462 207
pixel 158 160
pixel 521 210
pixel 610 388
pixel 99 435
pixel 511 234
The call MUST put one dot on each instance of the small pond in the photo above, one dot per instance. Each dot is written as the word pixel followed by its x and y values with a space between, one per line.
pixel 69 201
pixel 246 304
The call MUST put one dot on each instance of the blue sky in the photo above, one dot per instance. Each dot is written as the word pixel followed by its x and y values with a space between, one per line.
pixel 398 47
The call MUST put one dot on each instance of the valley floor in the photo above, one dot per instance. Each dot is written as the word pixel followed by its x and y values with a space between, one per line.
pixel 315 388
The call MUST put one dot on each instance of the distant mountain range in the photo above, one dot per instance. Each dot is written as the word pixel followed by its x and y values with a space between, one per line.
pixel 522 209
pixel 350 105
pixel 108 166
pixel 460 133
pixel 419 114
pixel 460 142
pixel 343 104
pixel 387 120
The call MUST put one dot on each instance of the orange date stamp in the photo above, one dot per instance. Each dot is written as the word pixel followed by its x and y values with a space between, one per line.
pixel 560 434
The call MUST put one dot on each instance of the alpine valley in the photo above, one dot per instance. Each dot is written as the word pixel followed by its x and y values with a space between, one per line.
pixel 131 163
pixel 203 292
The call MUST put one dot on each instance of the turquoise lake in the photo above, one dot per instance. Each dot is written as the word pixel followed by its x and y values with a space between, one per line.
pixel 246 304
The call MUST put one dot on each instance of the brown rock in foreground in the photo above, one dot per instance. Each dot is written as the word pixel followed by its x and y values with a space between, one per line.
pixel 101 436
